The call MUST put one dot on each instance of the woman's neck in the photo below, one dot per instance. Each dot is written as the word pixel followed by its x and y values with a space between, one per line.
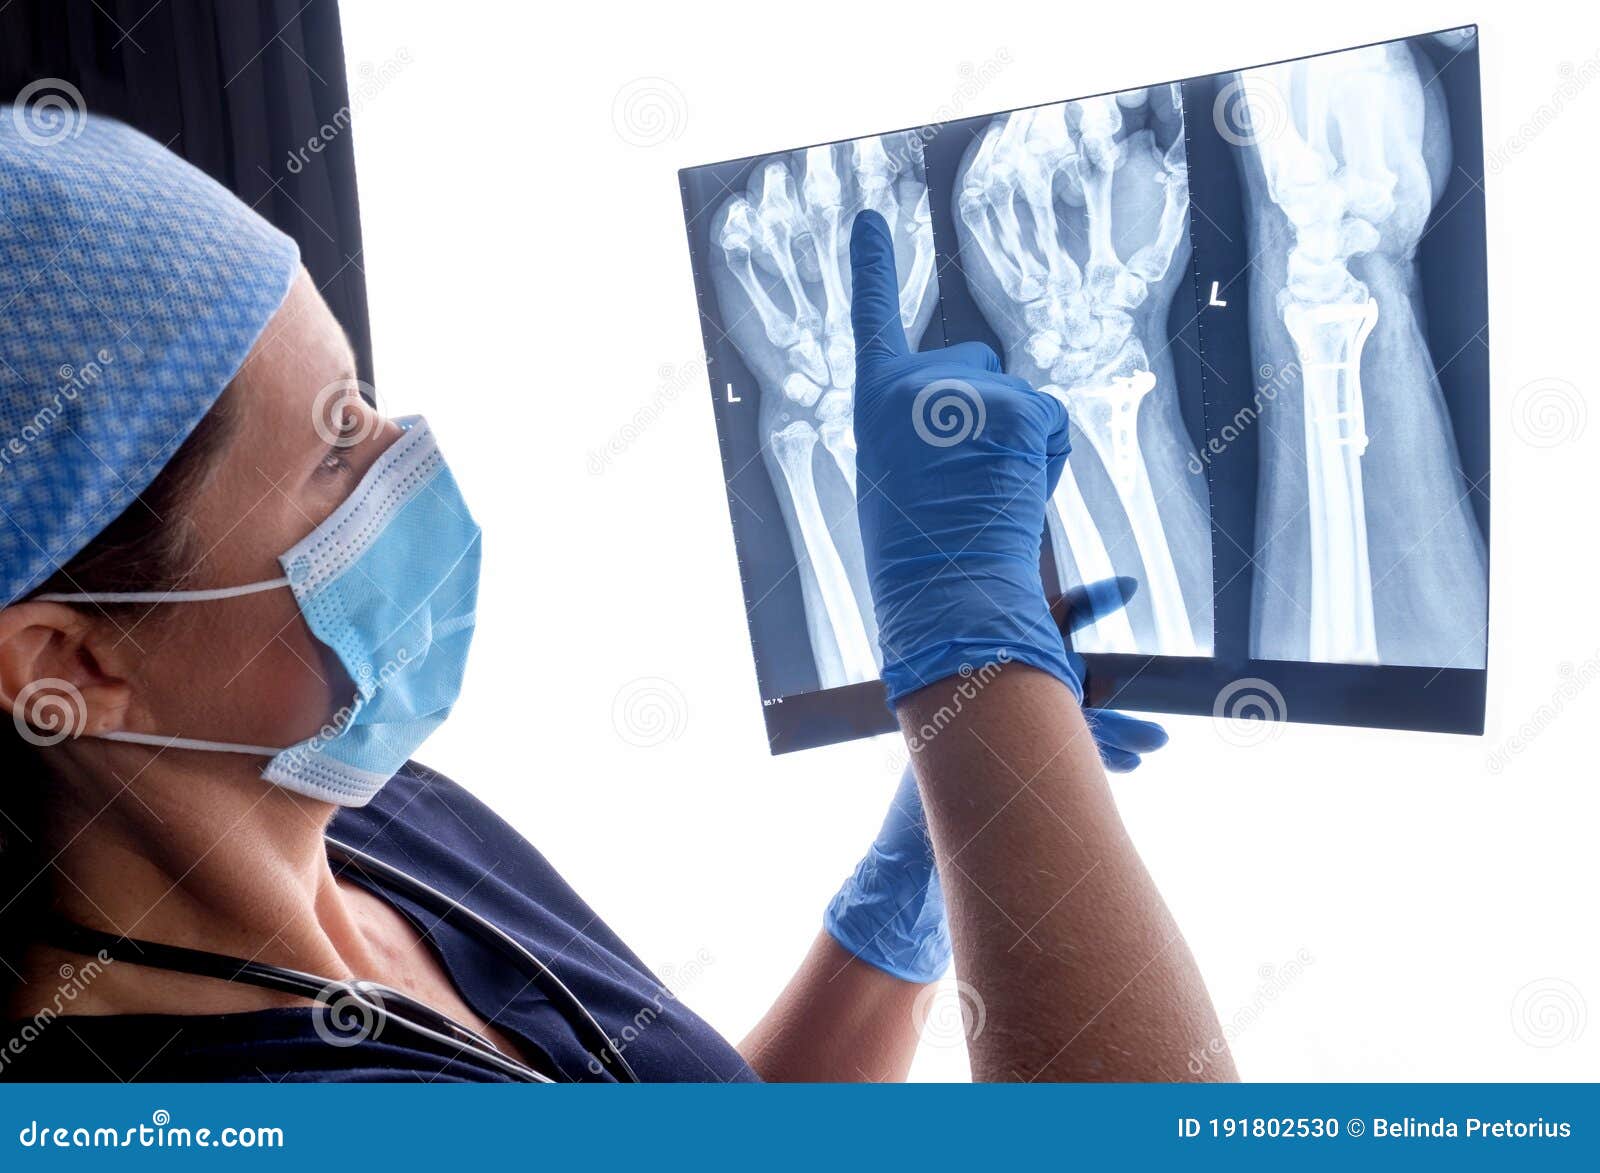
pixel 194 849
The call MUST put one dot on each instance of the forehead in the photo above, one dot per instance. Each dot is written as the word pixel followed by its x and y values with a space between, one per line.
pixel 260 496
pixel 301 361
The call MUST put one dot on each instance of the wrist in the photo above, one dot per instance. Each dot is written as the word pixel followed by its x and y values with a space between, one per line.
pixel 967 620
pixel 897 926
pixel 964 669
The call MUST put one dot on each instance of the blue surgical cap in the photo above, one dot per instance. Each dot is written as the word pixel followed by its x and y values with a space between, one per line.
pixel 132 287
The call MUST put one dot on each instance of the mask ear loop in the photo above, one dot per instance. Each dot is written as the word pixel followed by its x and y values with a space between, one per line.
pixel 200 596
pixel 160 741
pixel 157 740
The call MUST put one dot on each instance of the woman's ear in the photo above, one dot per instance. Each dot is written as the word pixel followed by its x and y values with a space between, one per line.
pixel 53 680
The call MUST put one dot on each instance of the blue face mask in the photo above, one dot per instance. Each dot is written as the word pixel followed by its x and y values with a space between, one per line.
pixel 390 583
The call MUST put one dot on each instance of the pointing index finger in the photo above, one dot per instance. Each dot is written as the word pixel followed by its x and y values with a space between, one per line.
pixel 875 290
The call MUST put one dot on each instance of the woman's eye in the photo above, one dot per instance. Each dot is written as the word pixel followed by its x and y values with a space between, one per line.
pixel 334 462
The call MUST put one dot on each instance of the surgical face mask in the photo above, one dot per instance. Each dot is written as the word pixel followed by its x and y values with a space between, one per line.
pixel 390 583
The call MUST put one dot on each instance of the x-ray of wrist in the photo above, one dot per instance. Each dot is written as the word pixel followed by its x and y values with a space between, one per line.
pixel 1367 549
pixel 780 267
pixel 1073 225
pixel 1261 295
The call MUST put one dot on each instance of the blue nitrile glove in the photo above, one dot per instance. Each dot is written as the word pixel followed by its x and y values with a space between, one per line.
pixel 1121 739
pixel 955 463
pixel 890 912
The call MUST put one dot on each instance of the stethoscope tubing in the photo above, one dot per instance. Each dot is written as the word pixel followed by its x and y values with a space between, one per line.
pixel 379 1001
pixel 589 1031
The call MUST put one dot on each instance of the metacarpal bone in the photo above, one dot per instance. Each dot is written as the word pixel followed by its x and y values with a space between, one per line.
pixel 875 175
pixel 987 207
pixel 784 264
pixel 1077 312
pixel 824 199
pixel 738 237
pixel 1099 119
pixel 779 218
pixel 742 241
pixel 1152 261
pixel 919 275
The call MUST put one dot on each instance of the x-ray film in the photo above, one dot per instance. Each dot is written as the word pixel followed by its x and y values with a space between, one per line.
pixel 1261 296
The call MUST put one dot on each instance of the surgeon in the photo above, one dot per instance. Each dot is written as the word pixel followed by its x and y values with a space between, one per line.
pixel 234 604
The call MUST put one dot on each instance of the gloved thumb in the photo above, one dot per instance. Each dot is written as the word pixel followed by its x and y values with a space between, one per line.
pixel 1123 740
pixel 1083 605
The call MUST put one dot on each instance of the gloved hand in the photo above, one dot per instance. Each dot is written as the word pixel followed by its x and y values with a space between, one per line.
pixel 1121 739
pixel 955 462
pixel 890 912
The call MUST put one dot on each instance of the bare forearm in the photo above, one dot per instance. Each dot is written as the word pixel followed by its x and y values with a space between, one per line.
pixel 1056 923
pixel 838 1020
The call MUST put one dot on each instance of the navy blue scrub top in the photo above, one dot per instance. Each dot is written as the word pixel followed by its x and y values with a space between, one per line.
pixel 426 825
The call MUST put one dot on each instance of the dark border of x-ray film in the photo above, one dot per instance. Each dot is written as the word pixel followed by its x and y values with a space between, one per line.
pixel 1452 257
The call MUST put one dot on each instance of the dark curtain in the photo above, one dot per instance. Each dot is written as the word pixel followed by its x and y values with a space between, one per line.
pixel 237 87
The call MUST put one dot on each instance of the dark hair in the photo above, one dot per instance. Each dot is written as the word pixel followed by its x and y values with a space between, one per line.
pixel 150 546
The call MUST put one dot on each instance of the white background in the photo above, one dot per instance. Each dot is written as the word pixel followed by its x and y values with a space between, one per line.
pixel 530 291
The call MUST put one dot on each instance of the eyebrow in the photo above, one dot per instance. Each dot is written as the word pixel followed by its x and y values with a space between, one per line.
pixel 346 379
pixel 349 369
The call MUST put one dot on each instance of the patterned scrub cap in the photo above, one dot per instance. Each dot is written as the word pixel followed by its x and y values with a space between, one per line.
pixel 132 287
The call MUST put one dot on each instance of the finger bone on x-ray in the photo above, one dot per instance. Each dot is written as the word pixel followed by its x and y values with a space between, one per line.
pixel 784 244
pixel 1048 203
